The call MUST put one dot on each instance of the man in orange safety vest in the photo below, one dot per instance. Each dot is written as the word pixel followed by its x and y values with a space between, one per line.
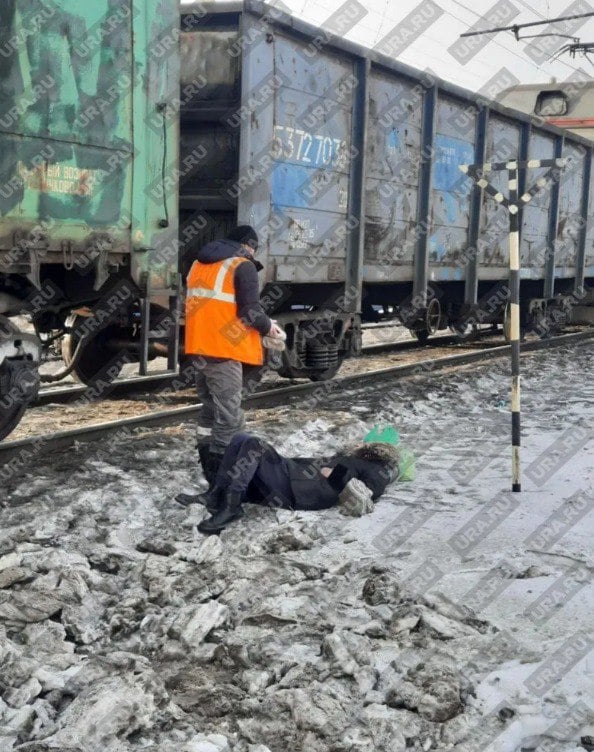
pixel 225 322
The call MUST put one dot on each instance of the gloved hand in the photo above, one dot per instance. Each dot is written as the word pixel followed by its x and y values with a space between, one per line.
pixel 275 339
pixel 276 331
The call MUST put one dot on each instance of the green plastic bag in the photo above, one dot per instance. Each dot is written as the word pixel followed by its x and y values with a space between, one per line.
pixel 406 466
pixel 389 435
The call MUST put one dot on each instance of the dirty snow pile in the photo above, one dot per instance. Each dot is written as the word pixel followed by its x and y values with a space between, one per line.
pixel 121 628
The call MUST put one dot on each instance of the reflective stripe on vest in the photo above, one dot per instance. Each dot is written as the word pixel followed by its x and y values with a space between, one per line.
pixel 203 292
pixel 217 292
pixel 213 327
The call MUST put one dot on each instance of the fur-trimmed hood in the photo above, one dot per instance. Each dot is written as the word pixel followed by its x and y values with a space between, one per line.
pixel 378 451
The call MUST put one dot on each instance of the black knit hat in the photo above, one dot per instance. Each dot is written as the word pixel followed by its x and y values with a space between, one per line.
pixel 244 234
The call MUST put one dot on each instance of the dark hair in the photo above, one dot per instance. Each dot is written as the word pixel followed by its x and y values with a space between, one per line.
pixel 244 234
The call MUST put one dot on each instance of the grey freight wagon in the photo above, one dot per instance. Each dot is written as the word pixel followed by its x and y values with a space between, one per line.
pixel 346 161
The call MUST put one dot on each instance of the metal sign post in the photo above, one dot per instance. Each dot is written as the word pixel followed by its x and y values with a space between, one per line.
pixel 477 172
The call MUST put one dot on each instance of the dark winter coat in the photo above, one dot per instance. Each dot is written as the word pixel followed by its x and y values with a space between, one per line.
pixel 375 464
pixel 247 290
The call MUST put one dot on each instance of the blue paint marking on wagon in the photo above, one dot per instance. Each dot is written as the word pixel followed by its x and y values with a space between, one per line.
pixel 287 185
pixel 393 139
pixel 451 206
pixel 437 249
pixel 447 274
pixel 449 154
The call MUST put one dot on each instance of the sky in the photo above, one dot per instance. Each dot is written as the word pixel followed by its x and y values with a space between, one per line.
pixel 426 31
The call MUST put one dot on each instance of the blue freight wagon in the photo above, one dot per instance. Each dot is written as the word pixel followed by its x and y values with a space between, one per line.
pixel 347 161
pixel 344 160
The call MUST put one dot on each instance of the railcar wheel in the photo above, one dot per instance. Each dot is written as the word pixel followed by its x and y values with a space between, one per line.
pixel 10 417
pixel 326 375
pixel 95 362
pixel 286 372
pixel 11 411
pixel 431 322
pixel 542 324
pixel 433 316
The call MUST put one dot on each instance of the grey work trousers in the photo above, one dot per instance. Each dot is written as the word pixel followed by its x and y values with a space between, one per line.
pixel 219 387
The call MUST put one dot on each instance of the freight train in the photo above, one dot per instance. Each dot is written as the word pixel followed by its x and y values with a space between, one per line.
pixel 129 136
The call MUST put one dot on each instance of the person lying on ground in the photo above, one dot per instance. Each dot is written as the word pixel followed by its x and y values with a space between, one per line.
pixel 253 471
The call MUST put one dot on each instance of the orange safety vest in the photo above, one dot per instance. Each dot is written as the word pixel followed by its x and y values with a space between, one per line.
pixel 212 324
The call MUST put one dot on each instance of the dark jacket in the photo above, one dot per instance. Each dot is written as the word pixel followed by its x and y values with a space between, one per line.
pixel 247 291
pixel 311 490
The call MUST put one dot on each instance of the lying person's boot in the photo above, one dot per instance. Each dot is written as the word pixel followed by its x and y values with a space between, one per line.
pixel 210 499
pixel 210 462
pixel 230 509
pixel 186 499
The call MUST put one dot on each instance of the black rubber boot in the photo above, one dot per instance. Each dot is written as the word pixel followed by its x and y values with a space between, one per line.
pixel 210 499
pixel 204 454
pixel 212 467
pixel 229 510
pixel 210 461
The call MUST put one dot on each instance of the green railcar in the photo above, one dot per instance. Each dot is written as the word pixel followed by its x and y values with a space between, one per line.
pixel 88 230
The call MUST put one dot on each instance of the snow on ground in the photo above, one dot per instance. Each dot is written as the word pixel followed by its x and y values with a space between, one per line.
pixel 455 616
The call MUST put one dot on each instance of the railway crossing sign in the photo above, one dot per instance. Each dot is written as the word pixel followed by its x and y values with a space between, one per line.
pixel 478 173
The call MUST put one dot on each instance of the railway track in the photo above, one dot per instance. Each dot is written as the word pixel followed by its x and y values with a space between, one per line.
pixel 157 382
pixel 26 449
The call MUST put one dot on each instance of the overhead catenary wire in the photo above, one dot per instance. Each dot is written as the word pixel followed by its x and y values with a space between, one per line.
pixel 445 62
pixel 516 27
pixel 498 43
pixel 587 46
pixel 571 48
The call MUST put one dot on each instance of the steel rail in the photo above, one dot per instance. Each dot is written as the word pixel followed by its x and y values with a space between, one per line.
pixel 30 447
pixel 155 382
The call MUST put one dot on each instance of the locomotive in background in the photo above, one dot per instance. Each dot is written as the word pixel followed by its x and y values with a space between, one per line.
pixel 129 139
pixel 568 104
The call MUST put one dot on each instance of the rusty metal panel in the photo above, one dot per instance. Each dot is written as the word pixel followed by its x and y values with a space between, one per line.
pixel 66 70
pixel 569 222
pixel 71 74
pixel 392 179
pixel 154 225
pixel 311 70
pixel 210 65
pixel 535 218
pixel 296 145
pixel 65 123
pixel 450 195
pixel 503 143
